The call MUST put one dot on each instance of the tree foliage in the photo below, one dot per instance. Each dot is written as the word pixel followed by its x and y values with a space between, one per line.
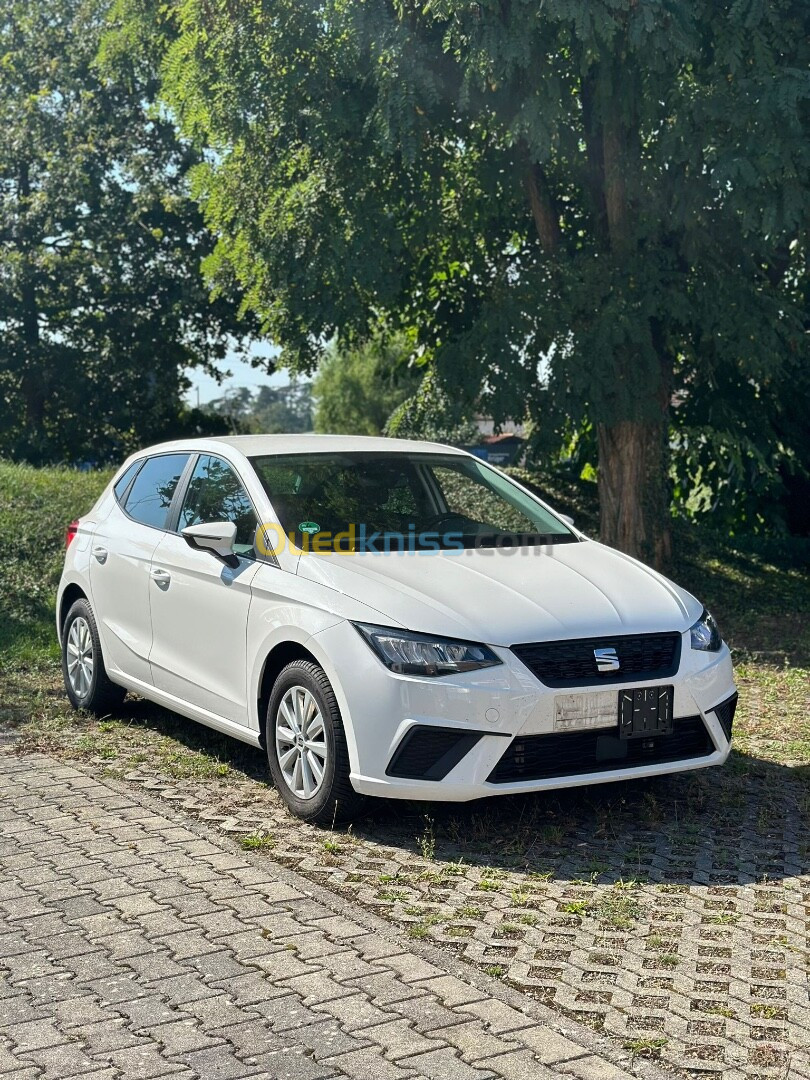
pixel 576 210
pixel 284 409
pixel 433 414
pixel 358 388
pixel 272 410
pixel 102 304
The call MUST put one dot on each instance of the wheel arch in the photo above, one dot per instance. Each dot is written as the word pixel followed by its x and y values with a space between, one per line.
pixel 276 660
pixel 70 594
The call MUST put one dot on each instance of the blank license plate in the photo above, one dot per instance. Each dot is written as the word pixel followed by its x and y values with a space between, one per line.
pixel 645 712
pixel 583 712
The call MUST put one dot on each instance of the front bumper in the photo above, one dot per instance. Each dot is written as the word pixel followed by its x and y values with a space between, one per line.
pixel 499 705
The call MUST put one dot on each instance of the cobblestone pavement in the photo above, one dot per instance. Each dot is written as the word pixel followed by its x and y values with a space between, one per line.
pixel 137 945
pixel 672 917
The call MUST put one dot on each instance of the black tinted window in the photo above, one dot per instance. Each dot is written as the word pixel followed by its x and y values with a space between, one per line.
pixel 215 493
pixel 122 484
pixel 151 494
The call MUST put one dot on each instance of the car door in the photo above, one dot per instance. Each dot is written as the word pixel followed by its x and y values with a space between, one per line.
pixel 199 604
pixel 121 556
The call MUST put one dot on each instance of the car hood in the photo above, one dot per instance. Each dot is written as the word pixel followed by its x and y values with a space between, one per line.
pixel 509 596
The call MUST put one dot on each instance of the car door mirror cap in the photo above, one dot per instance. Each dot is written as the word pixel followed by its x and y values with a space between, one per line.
pixel 217 537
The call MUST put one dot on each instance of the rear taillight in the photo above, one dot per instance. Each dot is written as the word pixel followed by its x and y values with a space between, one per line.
pixel 70 534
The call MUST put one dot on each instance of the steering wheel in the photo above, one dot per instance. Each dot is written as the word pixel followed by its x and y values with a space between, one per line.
pixel 439 520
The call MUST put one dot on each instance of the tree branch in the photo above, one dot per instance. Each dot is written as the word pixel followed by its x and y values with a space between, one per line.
pixel 595 155
pixel 613 141
pixel 544 209
pixel 778 264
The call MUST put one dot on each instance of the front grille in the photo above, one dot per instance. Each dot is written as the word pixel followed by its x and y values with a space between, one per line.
pixel 572 663
pixel 429 753
pixel 540 757
pixel 725 714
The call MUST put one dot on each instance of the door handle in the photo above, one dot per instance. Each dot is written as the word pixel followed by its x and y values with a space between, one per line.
pixel 161 577
pixel 100 553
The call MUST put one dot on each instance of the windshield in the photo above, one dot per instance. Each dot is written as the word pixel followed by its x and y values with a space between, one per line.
pixel 401 502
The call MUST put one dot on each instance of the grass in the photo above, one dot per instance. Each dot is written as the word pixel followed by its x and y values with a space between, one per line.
pixel 257 841
pixel 650 1048
pixel 36 506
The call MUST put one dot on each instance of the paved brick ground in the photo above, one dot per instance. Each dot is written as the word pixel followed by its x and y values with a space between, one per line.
pixel 672 917
pixel 135 946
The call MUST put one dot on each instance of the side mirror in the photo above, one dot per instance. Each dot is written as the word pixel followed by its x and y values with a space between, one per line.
pixel 215 536
pixel 566 518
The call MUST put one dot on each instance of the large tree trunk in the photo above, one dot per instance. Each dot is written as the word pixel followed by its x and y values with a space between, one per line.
pixel 633 448
pixel 634 488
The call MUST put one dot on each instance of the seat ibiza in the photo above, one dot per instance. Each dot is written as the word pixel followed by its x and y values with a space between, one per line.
pixel 385 618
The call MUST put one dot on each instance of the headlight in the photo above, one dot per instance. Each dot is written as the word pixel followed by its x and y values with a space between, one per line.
pixel 705 635
pixel 422 654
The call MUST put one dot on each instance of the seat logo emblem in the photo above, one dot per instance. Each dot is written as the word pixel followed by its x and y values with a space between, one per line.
pixel 607 660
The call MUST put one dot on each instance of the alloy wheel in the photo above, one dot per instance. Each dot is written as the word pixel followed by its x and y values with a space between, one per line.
pixel 80 657
pixel 301 742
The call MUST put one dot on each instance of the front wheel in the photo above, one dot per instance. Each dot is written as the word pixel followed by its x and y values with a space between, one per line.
pixel 86 681
pixel 306 746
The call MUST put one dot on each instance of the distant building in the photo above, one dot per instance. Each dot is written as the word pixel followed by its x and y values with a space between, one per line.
pixel 504 449
pixel 486 426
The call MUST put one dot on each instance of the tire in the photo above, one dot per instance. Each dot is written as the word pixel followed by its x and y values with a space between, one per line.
pixel 86 681
pixel 303 707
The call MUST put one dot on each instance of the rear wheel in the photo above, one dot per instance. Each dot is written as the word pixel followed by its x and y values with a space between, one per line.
pixel 306 746
pixel 86 681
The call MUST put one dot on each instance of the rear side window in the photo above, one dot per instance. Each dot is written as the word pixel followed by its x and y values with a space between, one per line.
pixel 151 494
pixel 123 482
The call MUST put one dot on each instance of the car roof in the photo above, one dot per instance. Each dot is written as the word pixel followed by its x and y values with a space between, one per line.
pixel 258 445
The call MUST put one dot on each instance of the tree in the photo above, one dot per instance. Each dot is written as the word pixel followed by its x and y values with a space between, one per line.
pixel 577 209
pixel 234 409
pixel 283 409
pixel 102 304
pixel 432 414
pixel 358 388
pixel 272 410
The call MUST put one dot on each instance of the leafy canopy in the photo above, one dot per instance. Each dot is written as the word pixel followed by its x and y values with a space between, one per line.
pixel 574 209
pixel 102 303
pixel 357 389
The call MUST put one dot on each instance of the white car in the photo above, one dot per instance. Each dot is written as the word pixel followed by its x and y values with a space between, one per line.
pixel 385 618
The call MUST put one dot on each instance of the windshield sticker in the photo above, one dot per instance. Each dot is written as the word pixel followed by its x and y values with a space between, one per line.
pixel 309 527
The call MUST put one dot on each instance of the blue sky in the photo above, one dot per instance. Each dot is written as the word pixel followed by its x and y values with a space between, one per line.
pixel 242 374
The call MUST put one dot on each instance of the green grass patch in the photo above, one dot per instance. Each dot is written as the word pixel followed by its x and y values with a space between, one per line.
pixel 257 841
pixel 649 1048
pixel 36 506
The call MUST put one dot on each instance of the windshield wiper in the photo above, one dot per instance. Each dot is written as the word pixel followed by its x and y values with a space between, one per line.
pixel 518 539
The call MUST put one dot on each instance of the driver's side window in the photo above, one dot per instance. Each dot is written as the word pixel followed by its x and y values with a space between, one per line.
pixel 215 493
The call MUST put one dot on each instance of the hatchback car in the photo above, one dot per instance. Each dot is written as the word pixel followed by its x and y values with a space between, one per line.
pixel 385 618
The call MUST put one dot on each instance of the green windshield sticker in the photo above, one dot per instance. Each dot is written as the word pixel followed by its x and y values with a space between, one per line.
pixel 309 527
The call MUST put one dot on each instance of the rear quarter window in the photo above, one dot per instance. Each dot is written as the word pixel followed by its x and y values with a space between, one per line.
pixel 123 482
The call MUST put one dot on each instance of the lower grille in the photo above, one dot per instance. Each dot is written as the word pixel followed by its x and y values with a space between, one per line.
pixel 429 753
pixel 725 714
pixel 541 757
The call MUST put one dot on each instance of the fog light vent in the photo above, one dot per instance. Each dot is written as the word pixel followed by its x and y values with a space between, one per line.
pixel 725 714
pixel 429 753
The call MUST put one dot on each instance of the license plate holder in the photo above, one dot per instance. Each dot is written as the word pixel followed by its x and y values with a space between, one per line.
pixel 645 712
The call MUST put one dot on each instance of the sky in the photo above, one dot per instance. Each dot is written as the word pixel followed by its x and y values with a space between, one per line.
pixel 242 375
